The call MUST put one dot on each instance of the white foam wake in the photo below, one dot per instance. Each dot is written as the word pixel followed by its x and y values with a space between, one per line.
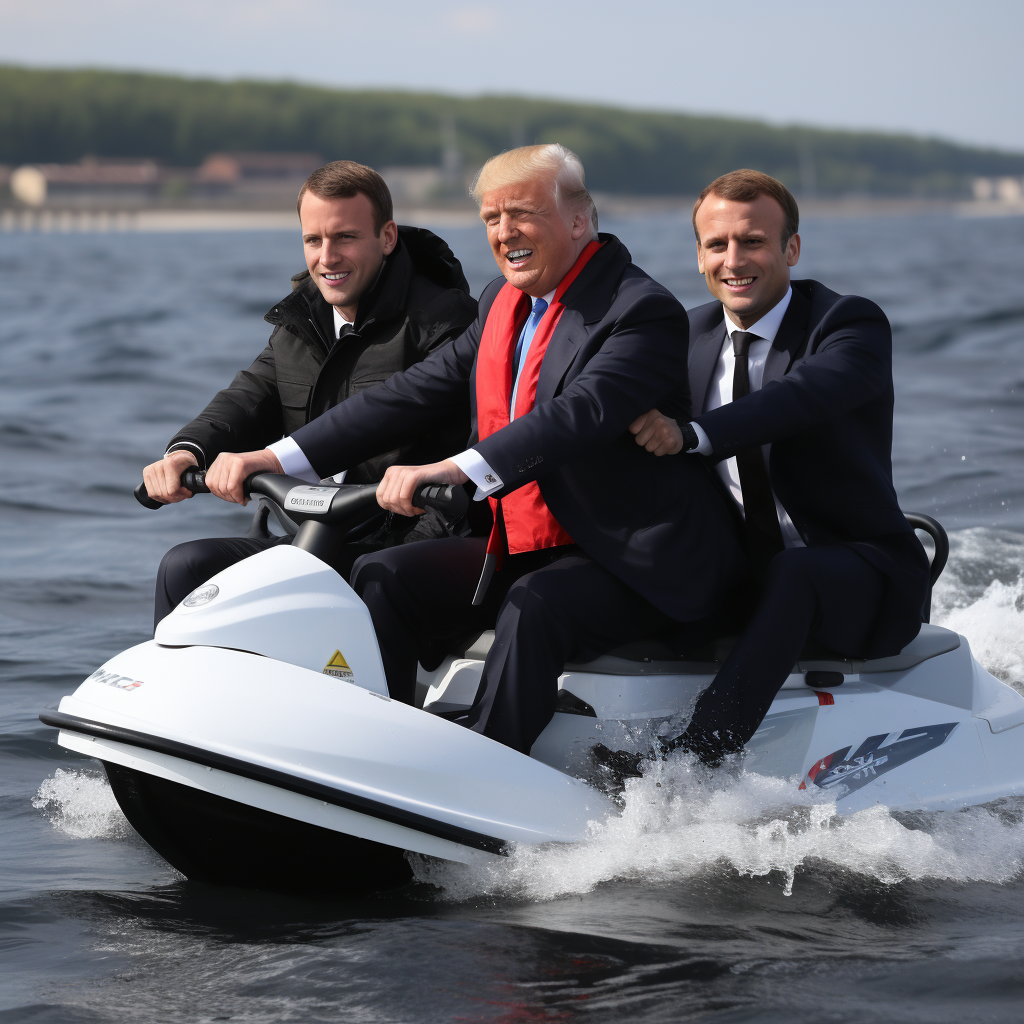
pixel 80 804
pixel 677 825
pixel 981 595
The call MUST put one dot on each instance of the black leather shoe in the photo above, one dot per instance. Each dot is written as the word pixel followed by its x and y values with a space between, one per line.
pixel 615 766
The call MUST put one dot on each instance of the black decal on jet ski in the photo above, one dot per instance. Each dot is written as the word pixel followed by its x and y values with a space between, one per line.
pixel 870 759
pixel 569 704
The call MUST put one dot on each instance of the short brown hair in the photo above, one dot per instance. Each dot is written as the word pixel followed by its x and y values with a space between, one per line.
pixel 744 186
pixel 343 179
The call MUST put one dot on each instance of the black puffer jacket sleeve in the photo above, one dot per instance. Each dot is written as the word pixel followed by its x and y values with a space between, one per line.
pixel 420 303
pixel 244 417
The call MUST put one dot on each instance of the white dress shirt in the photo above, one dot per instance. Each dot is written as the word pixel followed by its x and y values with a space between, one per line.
pixel 339 322
pixel 720 393
pixel 289 454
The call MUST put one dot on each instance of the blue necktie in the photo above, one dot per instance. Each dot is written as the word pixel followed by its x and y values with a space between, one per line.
pixel 523 347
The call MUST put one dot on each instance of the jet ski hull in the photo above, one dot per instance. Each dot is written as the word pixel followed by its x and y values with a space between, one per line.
pixel 242 761
pixel 244 731
pixel 211 839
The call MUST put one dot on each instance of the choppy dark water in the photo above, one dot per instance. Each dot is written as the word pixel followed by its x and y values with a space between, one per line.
pixel 109 342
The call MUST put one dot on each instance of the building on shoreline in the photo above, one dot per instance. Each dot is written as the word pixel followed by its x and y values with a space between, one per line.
pixel 255 181
pixel 88 182
pixel 247 179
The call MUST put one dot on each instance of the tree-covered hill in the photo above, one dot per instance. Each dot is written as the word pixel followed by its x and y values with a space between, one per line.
pixel 60 116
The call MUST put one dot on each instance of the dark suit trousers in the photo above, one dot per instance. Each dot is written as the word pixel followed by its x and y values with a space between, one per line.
pixel 547 608
pixel 826 593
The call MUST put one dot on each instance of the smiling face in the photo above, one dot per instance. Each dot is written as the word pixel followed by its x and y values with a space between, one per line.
pixel 741 256
pixel 343 251
pixel 534 243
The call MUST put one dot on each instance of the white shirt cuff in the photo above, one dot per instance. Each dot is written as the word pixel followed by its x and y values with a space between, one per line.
pixel 293 462
pixel 703 442
pixel 472 463
pixel 189 446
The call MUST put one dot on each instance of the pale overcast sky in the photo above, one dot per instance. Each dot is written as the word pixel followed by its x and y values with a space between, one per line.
pixel 952 69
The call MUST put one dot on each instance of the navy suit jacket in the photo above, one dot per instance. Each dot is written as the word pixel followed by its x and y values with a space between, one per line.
pixel 619 349
pixel 825 407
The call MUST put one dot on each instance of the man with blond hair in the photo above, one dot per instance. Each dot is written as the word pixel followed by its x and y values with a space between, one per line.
pixel 594 541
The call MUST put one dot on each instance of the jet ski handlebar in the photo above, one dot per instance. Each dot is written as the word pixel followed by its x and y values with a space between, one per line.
pixel 192 478
pixel 330 504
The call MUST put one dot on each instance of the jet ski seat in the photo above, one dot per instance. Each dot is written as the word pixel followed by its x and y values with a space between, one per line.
pixel 656 657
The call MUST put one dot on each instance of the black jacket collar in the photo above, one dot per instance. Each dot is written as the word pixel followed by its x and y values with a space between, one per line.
pixel 790 337
pixel 591 295
pixel 706 347
pixel 593 292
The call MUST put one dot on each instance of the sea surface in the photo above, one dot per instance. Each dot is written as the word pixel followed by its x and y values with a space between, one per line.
pixel 728 902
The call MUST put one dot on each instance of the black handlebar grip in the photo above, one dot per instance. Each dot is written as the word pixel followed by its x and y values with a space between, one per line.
pixel 143 498
pixel 192 478
pixel 195 480
pixel 451 500
pixel 247 484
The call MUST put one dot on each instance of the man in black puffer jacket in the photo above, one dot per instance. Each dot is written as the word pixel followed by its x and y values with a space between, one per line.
pixel 376 298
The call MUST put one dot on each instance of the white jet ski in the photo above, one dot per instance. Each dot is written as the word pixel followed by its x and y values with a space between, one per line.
pixel 252 741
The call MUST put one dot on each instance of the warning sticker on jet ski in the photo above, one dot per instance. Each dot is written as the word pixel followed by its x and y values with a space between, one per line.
pixel 306 498
pixel 113 679
pixel 875 756
pixel 338 667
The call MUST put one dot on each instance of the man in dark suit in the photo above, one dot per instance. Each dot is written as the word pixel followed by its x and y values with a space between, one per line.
pixel 599 541
pixel 792 386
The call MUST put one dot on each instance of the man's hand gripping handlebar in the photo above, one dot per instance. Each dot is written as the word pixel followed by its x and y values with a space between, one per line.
pixel 342 503
pixel 225 477
pixel 192 479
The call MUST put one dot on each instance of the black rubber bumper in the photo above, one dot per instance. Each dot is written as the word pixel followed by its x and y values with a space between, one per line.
pixel 282 780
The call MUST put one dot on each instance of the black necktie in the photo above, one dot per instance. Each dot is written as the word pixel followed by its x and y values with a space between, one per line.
pixel 759 511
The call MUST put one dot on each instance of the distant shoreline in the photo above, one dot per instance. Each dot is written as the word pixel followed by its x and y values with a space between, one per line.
pixel 844 206
pixel 70 220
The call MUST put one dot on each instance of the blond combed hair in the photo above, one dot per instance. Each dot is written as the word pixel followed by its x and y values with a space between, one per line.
pixel 559 162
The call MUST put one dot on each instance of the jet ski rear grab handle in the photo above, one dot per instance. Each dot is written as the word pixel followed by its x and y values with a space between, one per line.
pixel 324 511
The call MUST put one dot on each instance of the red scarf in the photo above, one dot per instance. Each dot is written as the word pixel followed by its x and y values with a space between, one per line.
pixel 528 523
